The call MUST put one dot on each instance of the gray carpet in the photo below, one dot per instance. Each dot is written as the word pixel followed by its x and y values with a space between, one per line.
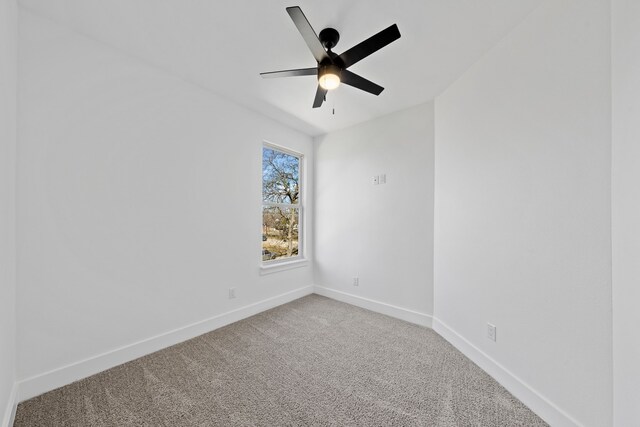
pixel 312 362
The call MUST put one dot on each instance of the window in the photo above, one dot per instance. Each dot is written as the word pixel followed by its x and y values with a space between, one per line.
pixel 281 204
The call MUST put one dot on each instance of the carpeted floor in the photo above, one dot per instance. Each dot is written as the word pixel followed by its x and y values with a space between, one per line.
pixel 312 362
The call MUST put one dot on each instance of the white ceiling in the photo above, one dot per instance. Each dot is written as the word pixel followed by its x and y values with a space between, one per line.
pixel 224 45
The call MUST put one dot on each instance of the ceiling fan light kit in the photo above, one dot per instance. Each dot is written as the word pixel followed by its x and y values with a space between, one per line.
pixel 329 77
pixel 331 69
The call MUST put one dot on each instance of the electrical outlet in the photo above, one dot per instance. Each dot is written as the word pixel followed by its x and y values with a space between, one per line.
pixel 491 331
pixel 376 180
pixel 356 281
pixel 232 293
pixel 383 178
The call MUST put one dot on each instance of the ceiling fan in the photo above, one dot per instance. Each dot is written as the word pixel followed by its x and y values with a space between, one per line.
pixel 332 68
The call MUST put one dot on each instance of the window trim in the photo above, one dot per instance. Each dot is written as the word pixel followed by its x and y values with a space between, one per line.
pixel 272 266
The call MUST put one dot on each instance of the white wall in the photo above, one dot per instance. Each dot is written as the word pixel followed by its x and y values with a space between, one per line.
pixel 381 233
pixel 626 212
pixel 522 210
pixel 8 91
pixel 140 201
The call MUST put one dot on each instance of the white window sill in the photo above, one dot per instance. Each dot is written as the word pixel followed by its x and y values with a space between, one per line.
pixel 281 266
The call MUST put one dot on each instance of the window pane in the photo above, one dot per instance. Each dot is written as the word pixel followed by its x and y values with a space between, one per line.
pixel 279 232
pixel 280 177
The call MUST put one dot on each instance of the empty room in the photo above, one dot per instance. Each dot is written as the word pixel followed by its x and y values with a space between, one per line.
pixel 337 213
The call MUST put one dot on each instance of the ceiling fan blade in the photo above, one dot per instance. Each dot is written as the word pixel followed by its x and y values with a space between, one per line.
pixel 290 73
pixel 370 45
pixel 352 79
pixel 308 34
pixel 320 94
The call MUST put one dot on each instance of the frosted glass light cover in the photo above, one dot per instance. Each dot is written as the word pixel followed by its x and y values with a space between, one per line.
pixel 329 81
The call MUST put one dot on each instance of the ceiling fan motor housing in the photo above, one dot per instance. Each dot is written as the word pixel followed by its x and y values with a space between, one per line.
pixel 329 69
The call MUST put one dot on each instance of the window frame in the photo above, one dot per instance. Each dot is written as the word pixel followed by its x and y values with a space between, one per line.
pixel 298 260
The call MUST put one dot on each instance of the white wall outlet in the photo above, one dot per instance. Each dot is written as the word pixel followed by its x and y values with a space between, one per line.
pixel 383 178
pixel 491 331
pixel 232 293
pixel 356 281
pixel 376 180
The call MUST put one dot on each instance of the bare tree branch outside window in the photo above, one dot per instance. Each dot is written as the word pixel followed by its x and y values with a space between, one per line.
pixel 280 204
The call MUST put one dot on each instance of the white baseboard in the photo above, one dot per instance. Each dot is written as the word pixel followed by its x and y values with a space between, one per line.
pixel 405 314
pixel 47 381
pixel 539 404
pixel 10 411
